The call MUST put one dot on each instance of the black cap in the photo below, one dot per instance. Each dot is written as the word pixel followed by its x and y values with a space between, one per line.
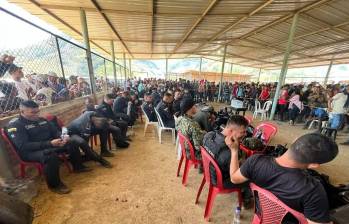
pixel 13 68
pixel 186 104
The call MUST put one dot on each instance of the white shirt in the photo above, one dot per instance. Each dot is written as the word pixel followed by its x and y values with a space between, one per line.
pixel 338 102
pixel 22 88
pixel 47 91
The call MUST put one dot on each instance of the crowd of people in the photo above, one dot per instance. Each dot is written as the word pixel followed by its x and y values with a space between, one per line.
pixel 183 105
pixel 44 89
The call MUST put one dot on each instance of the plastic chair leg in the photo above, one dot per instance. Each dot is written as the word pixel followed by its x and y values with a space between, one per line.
pixel 173 136
pixel 95 139
pixel 109 142
pixel 145 127
pixel 91 142
pixel 160 133
pixel 186 172
pixel 22 170
pixel 200 189
pixel 212 193
pixel 180 165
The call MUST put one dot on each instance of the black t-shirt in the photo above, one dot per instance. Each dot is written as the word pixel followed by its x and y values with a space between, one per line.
pixel 294 187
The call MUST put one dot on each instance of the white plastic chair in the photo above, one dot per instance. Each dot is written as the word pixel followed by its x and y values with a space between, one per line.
pixel 264 111
pixel 147 121
pixel 161 127
pixel 178 146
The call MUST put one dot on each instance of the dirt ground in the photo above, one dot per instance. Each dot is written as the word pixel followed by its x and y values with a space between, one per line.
pixel 143 187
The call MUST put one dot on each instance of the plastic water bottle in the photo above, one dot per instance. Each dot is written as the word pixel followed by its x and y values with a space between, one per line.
pixel 237 215
pixel 64 133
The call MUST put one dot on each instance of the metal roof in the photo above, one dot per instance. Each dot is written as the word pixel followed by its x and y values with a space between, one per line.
pixel 256 31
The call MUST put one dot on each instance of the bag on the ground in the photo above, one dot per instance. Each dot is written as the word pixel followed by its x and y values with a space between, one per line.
pixel 254 144
pixel 337 195
pixel 275 151
pixel 14 211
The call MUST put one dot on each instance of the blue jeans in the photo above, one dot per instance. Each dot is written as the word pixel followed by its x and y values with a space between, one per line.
pixel 336 121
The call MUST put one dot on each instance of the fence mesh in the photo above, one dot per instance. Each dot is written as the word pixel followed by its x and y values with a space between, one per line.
pixel 47 69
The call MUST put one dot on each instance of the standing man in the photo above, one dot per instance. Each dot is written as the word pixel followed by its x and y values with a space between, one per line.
pixel 37 140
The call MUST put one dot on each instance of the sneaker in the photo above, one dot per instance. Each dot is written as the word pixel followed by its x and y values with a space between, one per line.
pixel 291 122
pixel 107 154
pixel 345 143
pixel 61 189
pixel 105 163
pixel 122 145
pixel 82 169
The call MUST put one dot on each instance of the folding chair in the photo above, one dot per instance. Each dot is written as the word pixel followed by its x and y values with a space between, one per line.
pixel 161 127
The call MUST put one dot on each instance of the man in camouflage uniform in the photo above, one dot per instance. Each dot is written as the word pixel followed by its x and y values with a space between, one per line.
pixel 189 127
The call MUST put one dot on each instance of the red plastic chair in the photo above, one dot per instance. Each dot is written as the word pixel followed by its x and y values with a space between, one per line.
pixel 24 164
pixel 272 210
pixel 269 130
pixel 213 190
pixel 248 118
pixel 183 140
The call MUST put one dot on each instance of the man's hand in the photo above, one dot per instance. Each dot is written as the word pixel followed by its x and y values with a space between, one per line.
pixel 57 142
pixel 232 143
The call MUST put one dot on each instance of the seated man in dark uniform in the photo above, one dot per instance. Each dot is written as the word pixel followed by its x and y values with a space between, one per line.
pixel 177 102
pixel 37 140
pixel 148 107
pixel 214 143
pixel 105 110
pixel 88 124
pixel 120 107
pixel 206 118
pixel 284 176
pixel 165 110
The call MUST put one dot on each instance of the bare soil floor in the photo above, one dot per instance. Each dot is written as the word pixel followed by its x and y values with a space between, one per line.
pixel 143 187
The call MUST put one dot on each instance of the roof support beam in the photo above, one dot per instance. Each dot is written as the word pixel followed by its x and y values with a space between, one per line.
pixel 282 19
pixel 196 23
pixel 64 23
pixel 94 2
pixel 162 14
pixel 231 26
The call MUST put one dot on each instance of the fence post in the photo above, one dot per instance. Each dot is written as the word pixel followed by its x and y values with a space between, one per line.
pixel 60 60
pixel 106 77
pixel 88 49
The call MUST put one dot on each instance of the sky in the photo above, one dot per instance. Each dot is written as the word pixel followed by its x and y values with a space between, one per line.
pixel 17 29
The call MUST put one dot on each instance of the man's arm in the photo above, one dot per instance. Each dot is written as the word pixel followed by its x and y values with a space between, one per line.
pixel 235 174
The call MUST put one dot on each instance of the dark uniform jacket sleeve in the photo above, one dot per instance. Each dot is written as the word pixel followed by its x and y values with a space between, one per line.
pixel 20 138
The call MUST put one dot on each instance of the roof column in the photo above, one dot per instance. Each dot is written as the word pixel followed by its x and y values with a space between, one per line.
pixel 113 60
pixel 88 49
pixel 166 72
pixel 221 83
pixel 284 64
pixel 259 74
pixel 328 72
pixel 124 56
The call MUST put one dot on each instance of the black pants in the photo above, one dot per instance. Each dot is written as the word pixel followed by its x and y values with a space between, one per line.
pixel 282 108
pixel 124 117
pixel 117 134
pixel 293 113
pixel 84 146
pixel 51 162
pixel 122 125
pixel 103 138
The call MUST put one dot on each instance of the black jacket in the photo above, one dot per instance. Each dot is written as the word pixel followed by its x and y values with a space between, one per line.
pixel 120 105
pixel 31 136
pixel 82 125
pixel 150 111
pixel 105 110
pixel 176 106
pixel 214 143
pixel 166 113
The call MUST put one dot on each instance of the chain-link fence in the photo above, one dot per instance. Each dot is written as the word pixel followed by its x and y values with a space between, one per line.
pixel 47 69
